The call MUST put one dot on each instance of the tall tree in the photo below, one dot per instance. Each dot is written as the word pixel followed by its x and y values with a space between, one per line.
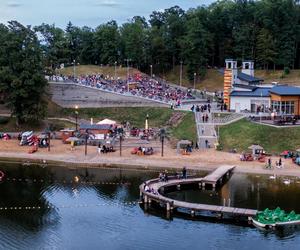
pixel 266 52
pixel 21 72
pixel 107 43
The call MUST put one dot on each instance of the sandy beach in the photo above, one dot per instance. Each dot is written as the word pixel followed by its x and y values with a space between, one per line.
pixel 198 160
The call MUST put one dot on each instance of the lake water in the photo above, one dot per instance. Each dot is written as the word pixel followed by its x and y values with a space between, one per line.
pixel 104 213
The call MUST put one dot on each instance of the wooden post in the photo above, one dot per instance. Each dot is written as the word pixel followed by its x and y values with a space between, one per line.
pixel 192 213
pixel 168 206
pixel 86 138
pixel 162 146
pixel 49 135
pixel 121 145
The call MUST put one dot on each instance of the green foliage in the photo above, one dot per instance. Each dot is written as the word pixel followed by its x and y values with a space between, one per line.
pixel 286 70
pixel 158 117
pixel 4 120
pixel 242 134
pixel 21 72
pixel 186 129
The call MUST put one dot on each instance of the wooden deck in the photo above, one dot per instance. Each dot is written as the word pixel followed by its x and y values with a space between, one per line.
pixel 158 187
pixel 217 175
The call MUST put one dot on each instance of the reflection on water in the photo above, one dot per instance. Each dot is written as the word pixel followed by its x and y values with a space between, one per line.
pixel 248 191
pixel 97 212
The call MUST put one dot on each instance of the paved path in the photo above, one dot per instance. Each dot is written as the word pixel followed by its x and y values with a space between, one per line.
pixel 205 130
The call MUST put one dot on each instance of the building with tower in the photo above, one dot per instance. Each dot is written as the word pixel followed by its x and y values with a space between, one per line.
pixel 243 92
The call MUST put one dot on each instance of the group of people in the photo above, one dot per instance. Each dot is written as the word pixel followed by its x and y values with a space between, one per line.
pixel 142 86
pixel 104 149
pixel 202 108
pixel 278 164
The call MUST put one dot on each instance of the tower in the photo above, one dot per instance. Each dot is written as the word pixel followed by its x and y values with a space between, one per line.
pixel 230 76
pixel 248 68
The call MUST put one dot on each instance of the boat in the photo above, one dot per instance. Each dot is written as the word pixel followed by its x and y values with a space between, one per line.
pixel 270 219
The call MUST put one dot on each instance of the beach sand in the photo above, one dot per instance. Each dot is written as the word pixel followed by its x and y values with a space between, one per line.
pixel 205 159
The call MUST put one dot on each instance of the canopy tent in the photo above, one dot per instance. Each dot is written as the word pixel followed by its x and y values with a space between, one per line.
pixel 107 121
pixel 256 149
pixel 182 143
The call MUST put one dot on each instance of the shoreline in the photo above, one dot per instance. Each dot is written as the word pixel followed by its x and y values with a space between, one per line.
pixel 133 164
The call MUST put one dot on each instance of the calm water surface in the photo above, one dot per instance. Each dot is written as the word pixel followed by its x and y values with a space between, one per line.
pixel 102 216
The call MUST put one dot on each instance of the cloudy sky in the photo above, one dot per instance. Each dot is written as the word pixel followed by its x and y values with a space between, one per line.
pixel 84 12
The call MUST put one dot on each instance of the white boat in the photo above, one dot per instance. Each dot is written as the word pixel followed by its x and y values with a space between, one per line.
pixel 262 225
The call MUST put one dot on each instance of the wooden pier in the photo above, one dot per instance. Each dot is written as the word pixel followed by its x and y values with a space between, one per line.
pixel 157 188
pixel 217 175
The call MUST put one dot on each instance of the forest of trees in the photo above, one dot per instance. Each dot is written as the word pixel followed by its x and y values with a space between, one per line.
pixel 266 31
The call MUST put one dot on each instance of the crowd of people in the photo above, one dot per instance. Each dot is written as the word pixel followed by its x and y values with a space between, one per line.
pixel 137 85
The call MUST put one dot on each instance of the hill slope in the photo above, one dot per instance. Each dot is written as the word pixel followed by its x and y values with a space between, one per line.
pixel 211 82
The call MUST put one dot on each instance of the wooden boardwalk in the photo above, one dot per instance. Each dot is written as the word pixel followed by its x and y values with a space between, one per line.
pixel 157 194
pixel 217 175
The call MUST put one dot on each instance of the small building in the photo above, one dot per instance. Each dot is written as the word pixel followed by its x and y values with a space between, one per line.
pixel 101 131
pixel 285 100
pixel 251 99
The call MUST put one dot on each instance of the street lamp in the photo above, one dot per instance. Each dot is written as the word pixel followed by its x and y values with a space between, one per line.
pixel 115 70
pixel 86 139
pixel 74 73
pixel 127 60
pixel 180 79
pixel 76 116
pixel 195 75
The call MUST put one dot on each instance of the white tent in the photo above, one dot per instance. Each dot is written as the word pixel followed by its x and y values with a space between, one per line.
pixel 107 121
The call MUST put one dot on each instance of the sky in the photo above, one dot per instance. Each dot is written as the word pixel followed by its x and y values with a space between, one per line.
pixel 85 12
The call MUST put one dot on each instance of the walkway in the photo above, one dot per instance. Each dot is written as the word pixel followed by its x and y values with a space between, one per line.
pixel 158 188
pixel 205 130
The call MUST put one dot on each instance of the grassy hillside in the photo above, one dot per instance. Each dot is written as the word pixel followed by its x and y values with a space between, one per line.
pixel 186 129
pixel 94 69
pixel 242 134
pixel 211 82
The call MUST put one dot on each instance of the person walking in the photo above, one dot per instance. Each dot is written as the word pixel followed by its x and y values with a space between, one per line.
pixel 203 118
pixel 99 148
pixel 206 143
pixel 206 117
pixel 269 163
pixel 202 130
pixel 184 173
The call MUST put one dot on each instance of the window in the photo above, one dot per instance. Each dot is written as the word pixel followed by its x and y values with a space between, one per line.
pixel 284 107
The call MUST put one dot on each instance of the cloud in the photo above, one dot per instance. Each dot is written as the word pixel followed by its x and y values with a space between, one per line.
pixel 107 3
pixel 13 4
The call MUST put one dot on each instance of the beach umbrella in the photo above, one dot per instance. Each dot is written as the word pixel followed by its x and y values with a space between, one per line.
pixel 70 139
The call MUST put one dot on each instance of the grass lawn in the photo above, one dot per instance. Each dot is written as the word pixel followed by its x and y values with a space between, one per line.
pixel 186 129
pixel 158 117
pixel 94 69
pixel 242 134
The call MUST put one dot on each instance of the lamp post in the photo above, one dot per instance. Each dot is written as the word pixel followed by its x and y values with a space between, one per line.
pixel 49 136
pixel 180 77
pixel 151 70
pixel 195 75
pixel 86 139
pixel 74 66
pixel 127 60
pixel 219 128
pixel 115 70
pixel 76 117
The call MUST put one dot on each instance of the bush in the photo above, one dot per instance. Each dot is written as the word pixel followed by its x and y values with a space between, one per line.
pixel 4 120
pixel 286 70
